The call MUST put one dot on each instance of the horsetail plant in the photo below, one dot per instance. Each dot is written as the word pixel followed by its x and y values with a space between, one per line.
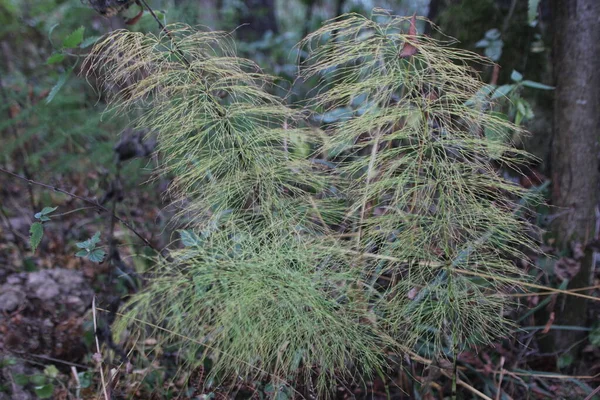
pixel 419 177
pixel 308 269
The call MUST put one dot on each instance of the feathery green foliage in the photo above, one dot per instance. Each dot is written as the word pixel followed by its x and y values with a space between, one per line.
pixel 224 137
pixel 419 175
pixel 293 270
pixel 255 288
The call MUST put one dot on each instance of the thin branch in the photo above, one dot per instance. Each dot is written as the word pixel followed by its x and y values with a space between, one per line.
pixel 167 31
pixel 589 396
pixel 459 271
pixel 98 349
pixel 84 199
pixel 48 358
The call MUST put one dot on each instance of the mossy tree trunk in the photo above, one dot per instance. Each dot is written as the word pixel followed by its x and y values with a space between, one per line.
pixel 576 59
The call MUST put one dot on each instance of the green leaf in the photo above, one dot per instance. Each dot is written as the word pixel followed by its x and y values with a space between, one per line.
pixel 336 115
pixel 44 391
pixel 502 91
pixel 85 379
pixel 84 245
pixel 89 41
pixel 95 239
pixel 565 360
pixel 300 146
pixel 51 371
pixel 493 34
pixel 42 215
pixel 536 85
pixel 45 211
pixel 481 97
pixel 337 149
pixel 90 243
pixel 59 84
pixel 189 238
pixel 494 50
pixel 7 361
pixel 38 379
pixel 516 76
pixel 36 232
pixel 21 379
pixel 595 335
pixel 482 43
pixel 55 58
pixel 521 107
pixel 74 38
pixel 524 108
pixel 50 33
pixel 81 253
pixel 52 28
pixel 97 255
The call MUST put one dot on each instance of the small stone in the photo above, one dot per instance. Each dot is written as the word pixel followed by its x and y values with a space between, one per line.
pixel 14 279
pixel 10 299
pixel 42 285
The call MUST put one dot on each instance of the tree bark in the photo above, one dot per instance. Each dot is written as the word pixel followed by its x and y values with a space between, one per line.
pixel 434 10
pixel 576 126
pixel 258 19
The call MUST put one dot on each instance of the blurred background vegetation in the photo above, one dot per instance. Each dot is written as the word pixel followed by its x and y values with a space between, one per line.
pixel 56 129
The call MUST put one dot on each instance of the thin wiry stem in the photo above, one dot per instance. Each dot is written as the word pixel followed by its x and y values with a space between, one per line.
pixel 91 202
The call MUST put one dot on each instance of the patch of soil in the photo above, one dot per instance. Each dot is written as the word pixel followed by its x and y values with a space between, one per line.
pixel 42 313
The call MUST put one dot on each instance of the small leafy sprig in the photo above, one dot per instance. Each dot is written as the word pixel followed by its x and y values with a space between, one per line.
pixel 74 40
pixel 89 249
pixel 43 384
pixel 36 230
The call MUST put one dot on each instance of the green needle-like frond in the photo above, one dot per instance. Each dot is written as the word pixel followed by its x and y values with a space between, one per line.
pixel 420 176
pixel 253 286
pixel 227 141
pixel 266 309
pixel 304 269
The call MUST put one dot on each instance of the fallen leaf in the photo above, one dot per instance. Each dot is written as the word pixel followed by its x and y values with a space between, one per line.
pixel 409 49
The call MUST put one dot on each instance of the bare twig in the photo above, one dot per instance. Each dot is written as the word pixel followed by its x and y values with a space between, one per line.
pixel 589 396
pixel 78 384
pixel 167 31
pixel 98 349
pixel 47 358
pixel 84 199
pixel 116 188
pixel 499 391
pixel 461 271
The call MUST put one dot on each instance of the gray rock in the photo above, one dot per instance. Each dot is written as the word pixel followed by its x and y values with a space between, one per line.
pixel 42 285
pixel 11 298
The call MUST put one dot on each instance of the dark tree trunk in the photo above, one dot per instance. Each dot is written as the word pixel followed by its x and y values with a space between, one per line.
pixel 434 11
pixel 339 7
pixel 258 19
pixel 575 177
pixel 308 14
